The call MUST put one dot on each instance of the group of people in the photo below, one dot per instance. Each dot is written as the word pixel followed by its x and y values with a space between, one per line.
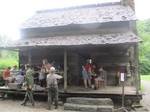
pixel 12 75
pixel 48 73
pixel 93 77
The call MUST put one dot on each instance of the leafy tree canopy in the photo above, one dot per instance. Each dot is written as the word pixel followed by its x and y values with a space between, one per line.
pixel 144 33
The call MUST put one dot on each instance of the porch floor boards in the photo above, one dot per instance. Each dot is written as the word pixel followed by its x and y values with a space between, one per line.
pixel 129 90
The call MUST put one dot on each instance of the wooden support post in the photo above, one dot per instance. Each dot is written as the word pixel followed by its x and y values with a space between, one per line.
pixel 19 56
pixel 29 57
pixel 137 75
pixel 65 70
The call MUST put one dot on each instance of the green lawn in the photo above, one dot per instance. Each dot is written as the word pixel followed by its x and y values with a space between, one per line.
pixel 142 87
pixel 6 62
pixel 145 77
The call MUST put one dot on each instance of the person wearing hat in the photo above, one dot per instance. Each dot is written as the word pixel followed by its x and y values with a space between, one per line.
pixel 52 87
pixel 29 82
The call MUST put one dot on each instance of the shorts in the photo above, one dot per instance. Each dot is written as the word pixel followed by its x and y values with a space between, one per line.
pixel 86 75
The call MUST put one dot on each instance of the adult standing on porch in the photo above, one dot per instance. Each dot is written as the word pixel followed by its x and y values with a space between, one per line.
pixel 46 65
pixel 29 82
pixel 85 76
pixel 88 68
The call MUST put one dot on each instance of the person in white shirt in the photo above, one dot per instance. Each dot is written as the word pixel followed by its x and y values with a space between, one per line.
pixel 42 77
pixel 52 86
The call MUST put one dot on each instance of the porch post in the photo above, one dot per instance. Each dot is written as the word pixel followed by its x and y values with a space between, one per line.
pixel 29 57
pixel 137 75
pixel 65 70
pixel 19 55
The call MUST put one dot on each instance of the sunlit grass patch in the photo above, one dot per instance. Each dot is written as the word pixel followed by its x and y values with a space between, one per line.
pixel 7 62
pixel 145 77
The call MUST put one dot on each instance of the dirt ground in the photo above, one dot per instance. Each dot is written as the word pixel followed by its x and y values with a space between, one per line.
pixel 14 106
pixel 10 105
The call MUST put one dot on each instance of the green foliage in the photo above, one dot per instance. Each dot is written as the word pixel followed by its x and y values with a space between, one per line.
pixel 8 58
pixel 147 25
pixel 144 53
pixel 4 63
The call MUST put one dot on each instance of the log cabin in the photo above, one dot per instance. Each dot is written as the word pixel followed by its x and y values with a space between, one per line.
pixel 105 33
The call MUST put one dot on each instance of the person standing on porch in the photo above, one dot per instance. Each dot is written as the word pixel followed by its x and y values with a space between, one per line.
pixel 52 87
pixel 88 68
pixel 42 77
pixel 85 76
pixel 46 65
pixel 29 82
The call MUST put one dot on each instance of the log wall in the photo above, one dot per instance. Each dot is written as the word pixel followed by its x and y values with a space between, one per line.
pixel 110 58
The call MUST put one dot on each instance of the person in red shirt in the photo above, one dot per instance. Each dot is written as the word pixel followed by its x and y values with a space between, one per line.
pixel 88 69
pixel 6 75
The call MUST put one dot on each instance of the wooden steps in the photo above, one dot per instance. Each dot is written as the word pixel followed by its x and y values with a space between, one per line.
pixel 89 105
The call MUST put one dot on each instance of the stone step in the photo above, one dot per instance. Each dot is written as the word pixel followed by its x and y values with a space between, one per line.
pixel 90 101
pixel 87 108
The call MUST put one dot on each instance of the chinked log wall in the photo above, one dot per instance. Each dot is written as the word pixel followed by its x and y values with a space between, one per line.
pixel 108 59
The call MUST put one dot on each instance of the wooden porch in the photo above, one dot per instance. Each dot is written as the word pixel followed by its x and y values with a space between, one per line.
pixel 129 90
pixel 117 90
pixel 113 92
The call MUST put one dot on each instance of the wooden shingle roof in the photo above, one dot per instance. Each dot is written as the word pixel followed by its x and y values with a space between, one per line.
pixel 76 40
pixel 81 15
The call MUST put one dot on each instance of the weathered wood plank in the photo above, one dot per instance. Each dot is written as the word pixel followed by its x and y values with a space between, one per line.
pixel 65 70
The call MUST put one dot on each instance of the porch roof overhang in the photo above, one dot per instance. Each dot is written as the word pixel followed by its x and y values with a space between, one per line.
pixel 75 40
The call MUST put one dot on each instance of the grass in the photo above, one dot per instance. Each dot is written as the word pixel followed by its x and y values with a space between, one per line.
pixel 142 87
pixel 6 62
pixel 145 77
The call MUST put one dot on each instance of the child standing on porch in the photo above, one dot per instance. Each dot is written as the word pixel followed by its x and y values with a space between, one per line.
pixel 88 73
pixel 85 76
